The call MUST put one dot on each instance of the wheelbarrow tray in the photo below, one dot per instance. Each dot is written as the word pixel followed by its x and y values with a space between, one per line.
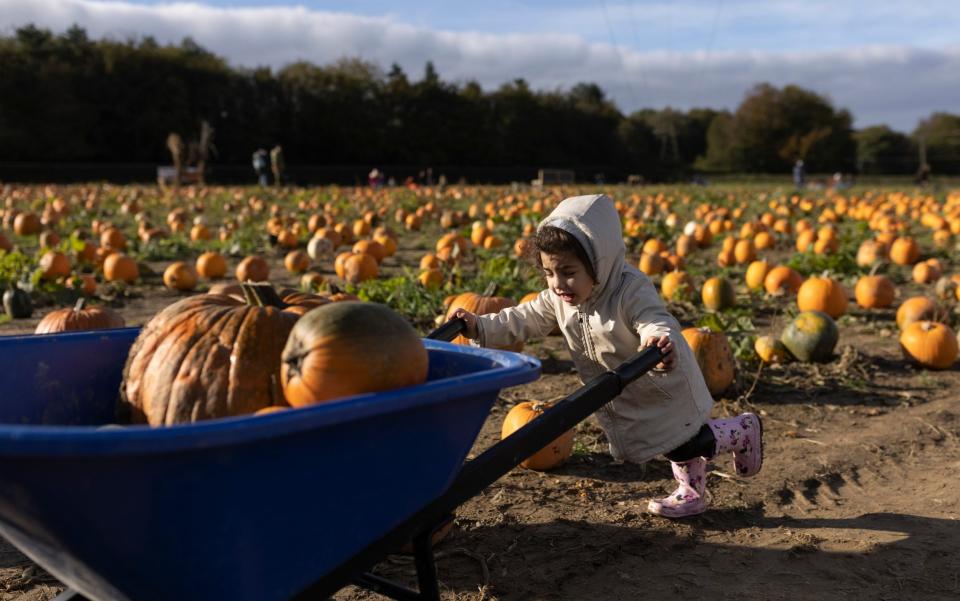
pixel 252 507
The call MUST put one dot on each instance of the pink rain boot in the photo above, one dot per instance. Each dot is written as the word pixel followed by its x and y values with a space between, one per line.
pixel 691 497
pixel 742 436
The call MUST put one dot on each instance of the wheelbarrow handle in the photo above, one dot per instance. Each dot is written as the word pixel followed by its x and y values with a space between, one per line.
pixel 489 466
pixel 449 330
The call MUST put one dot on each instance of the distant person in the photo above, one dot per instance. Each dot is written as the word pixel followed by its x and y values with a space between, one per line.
pixel 375 178
pixel 261 164
pixel 277 164
pixel 923 175
pixel 607 309
pixel 799 174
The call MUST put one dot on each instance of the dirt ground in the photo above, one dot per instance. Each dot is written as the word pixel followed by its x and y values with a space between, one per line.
pixel 855 500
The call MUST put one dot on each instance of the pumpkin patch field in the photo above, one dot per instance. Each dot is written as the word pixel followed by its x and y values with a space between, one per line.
pixel 832 314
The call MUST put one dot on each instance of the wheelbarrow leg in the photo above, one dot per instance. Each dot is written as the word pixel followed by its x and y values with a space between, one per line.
pixel 426 574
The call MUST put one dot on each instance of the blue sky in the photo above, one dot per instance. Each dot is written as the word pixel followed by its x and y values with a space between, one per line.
pixel 890 62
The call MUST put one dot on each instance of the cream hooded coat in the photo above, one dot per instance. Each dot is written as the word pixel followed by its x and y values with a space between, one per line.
pixel 661 410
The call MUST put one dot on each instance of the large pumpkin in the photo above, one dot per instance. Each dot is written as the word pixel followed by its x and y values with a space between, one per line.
pixel 929 344
pixel 822 294
pixel 480 304
pixel 714 357
pixel 348 348
pixel 207 356
pixel 811 336
pixel 554 454
pixel 79 317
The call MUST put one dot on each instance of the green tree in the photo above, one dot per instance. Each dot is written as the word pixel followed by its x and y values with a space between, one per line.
pixel 882 151
pixel 939 137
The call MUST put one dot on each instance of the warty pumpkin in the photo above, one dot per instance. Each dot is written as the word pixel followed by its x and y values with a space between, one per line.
pixel 348 348
pixel 78 318
pixel 207 356
pixel 554 454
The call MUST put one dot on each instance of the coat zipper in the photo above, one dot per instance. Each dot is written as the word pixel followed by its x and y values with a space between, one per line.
pixel 591 354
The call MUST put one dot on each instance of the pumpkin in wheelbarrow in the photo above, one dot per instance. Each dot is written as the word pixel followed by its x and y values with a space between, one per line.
pixel 350 347
pixel 208 356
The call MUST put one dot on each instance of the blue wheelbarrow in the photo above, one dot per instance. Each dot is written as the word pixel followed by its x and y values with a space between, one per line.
pixel 288 505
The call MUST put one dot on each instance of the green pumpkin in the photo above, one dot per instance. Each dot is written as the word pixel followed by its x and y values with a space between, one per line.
pixel 16 303
pixel 811 336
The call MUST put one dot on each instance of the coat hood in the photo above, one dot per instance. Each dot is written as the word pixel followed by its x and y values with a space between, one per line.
pixel 594 221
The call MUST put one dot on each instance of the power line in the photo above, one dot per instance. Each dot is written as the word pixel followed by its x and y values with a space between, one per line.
pixel 616 47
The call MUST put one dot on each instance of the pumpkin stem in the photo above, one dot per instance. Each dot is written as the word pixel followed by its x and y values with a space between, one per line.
pixel 79 305
pixel 491 289
pixel 262 295
pixel 876 267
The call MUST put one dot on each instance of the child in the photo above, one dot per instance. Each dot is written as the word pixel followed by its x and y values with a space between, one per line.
pixel 607 310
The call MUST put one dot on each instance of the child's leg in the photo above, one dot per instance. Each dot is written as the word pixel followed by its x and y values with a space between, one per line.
pixel 743 436
pixel 690 497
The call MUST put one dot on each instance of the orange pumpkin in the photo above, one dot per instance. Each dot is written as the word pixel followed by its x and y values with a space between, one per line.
pixel 79 318
pixel 253 269
pixel 54 265
pixel 180 275
pixel 360 267
pixel 874 292
pixel 756 273
pixel 207 356
pixel 718 294
pixel 714 356
pixel 297 261
pixel 929 344
pixel 554 454
pixel 118 267
pixel 917 308
pixel 822 294
pixel 27 224
pixel 347 348
pixel 771 350
pixel 782 280
pixel 480 304
pixel 211 265
pixel 677 286
pixel 904 251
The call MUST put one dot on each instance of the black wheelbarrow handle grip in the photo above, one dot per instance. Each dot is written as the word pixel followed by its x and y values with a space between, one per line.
pixel 449 330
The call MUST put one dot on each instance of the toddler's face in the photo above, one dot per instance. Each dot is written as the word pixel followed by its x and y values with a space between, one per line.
pixel 567 277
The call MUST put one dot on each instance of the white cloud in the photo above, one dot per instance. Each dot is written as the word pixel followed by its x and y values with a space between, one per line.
pixel 878 84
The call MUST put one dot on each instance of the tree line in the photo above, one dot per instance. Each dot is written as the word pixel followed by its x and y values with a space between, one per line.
pixel 67 98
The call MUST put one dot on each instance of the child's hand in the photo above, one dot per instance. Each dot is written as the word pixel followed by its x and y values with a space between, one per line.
pixel 471 320
pixel 666 346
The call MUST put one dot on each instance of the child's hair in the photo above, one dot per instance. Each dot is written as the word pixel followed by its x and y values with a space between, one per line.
pixel 555 241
